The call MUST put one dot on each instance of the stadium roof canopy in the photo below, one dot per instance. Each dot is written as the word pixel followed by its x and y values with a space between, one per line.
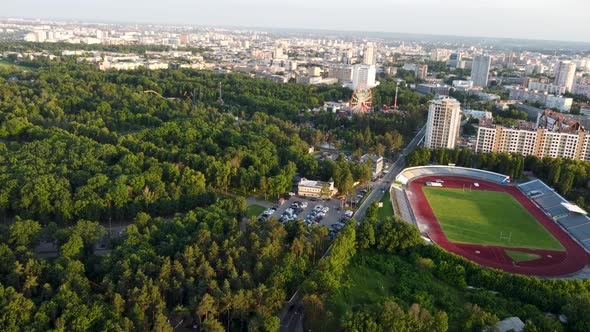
pixel 573 208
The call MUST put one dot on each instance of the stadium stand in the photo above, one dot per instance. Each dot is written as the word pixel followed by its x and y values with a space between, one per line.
pixel 402 204
pixel 413 172
pixel 571 217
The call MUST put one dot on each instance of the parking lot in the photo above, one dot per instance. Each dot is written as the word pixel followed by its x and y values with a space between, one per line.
pixel 324 213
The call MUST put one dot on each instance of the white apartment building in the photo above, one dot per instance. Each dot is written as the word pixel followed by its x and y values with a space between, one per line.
pixel 443 124
pixel 480 70
pixel 364 75
pixel 369 54
pixel 565 73
pixel 558 102
pixel 463 85
pixel 549 88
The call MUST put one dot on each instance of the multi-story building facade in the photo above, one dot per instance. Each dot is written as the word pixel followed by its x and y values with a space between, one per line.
pixel 363 75
pixel 480 70
pixel 435 89
pixel 310 188
pixel 581 89
pixel 550 101
pixel 553 136
pixel 454 60
pixel 343 73
pixel 443 124
pixel 565 72
pixel 369 54
pixel 549 88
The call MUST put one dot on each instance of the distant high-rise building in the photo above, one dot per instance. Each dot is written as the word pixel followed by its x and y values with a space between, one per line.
pixel 343 73
pixel 363 75
pixel 314 71
pixel 421 71
pixel 369 54
pixel 565 73
pixel 439 54
pixel 443 124
pixel 480 70
pixel 277 53
pixel 454 60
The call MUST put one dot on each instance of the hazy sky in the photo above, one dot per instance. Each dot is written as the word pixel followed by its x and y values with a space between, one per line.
pixel 537 19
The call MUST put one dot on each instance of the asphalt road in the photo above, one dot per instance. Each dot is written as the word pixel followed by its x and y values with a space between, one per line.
pixel 292 319
pixel 384 183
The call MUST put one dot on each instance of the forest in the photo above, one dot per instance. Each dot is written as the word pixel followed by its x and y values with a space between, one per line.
pixel 81 148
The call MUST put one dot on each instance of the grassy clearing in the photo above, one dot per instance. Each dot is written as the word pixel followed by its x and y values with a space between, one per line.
pixel 254 210
pixel 487 217
pixel 520 256
pixel 387 209
pixel 5 64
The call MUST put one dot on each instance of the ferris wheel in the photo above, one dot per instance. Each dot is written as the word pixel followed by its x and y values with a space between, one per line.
pixel 362 100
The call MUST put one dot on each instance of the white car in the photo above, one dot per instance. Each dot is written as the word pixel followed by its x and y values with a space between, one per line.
pixel 318 207
pixel 326 209
pixel 303 205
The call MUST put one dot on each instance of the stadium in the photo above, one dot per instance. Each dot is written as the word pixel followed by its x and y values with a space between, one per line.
pixel 526 229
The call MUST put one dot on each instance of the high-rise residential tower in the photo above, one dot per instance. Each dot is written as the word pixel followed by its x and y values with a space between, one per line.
pixel 565 73
pixel 443 124
pixel 363 75
pixel 369 54
pixel 480 70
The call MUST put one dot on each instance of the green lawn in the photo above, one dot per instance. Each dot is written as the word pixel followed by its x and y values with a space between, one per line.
pixel 487 217
pixel 387 209
pixel 254 210
pixel 519 256
pixel 9 65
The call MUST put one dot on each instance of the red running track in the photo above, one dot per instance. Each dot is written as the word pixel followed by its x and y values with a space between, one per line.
pixel 552 263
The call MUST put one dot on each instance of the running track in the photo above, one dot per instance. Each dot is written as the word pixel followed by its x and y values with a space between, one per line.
pixel 551 264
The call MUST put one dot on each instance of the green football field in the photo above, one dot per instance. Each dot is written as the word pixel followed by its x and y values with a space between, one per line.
pixel 487 217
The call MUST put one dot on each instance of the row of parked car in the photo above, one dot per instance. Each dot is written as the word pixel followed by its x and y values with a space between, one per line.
pixel 267 213
pixel 293 211
pixel 360 196
pixel 317 214
pixel 336 227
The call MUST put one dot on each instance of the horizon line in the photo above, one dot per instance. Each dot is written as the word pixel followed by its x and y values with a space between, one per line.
pixel 295 29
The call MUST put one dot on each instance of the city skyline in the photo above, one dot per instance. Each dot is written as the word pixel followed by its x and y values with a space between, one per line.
pixel 501 19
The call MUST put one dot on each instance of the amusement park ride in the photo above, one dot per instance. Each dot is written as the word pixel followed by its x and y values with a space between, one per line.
pixel 362 100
